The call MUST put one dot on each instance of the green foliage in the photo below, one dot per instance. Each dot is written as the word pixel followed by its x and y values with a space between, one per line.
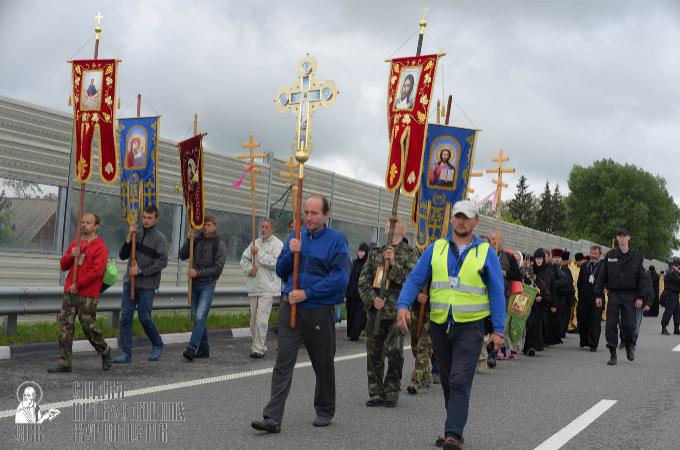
pixel 522 208
pixel 544 221
pixel 5 215
pixel 559 213
pixel 609 195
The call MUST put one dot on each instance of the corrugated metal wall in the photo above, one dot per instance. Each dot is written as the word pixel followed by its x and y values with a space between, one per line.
pixel 35 145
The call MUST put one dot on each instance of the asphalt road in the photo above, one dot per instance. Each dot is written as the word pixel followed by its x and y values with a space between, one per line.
pixel 518 405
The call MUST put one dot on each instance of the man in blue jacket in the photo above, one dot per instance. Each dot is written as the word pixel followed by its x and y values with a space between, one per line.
pixel 323 276
pixel 466 287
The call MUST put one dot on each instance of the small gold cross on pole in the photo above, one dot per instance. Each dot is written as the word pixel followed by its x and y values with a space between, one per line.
pixel 98 28
pixel 251 145
pixel 292 178
pixel 499 170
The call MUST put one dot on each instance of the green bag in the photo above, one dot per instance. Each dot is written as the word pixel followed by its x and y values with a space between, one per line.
pixel 110 275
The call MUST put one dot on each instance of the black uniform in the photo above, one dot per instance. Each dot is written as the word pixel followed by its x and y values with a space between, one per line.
pixel 671 289
pixel 625 279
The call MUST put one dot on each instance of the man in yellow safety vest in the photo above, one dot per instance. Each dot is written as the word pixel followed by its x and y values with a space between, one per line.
pixel 466 288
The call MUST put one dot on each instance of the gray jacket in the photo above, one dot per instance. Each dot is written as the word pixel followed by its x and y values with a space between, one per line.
pixel 151 255
pixel 210 254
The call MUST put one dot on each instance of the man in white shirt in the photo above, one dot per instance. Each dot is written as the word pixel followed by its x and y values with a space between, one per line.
pixel 258 262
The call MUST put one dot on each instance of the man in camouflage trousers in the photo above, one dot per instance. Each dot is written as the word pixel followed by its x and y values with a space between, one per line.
pixel 81 297
pixel 385 341
pixel 421 346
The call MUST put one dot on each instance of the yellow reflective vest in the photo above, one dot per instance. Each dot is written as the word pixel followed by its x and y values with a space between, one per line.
pixel 465 295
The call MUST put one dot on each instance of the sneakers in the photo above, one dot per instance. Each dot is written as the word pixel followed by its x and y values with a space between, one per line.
pixel 266 424
pixel 513 356
pixel 411 389
pixel 482 366
pixel 256 355
pixel 439 442
pixel 123 358
pixel 155 353
pixel 321 421
pixel 189 354
pixel 391 401
pixel 59 369
pixel 107 361
pixel 452 443
pixel 202 353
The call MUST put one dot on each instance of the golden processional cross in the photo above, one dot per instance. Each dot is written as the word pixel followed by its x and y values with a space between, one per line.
pixel 292 178
pixel 302 100
pixel 499 170
pixel 251 145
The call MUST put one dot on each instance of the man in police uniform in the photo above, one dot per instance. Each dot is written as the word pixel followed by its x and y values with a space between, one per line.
pixel 384 340
pixel 625 279
pixel 466 288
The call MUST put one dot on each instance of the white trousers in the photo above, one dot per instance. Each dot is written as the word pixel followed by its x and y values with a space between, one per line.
pixel 260 308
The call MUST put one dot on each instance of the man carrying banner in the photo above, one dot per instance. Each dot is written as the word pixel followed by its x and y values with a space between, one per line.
pixel 81 297
pixel 210 254
pixel 262 283
pixel 466 288
pixel 384 340
pixel 151 259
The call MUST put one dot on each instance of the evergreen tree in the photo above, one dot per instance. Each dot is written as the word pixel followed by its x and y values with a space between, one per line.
pixel 559 215
pixel 522 207
pixel 544 213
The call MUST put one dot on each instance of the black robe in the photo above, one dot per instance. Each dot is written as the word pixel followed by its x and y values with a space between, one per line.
pixel 588 315
pixel 559 300
pixel 534 331
pixel 654 310
pixel 356 315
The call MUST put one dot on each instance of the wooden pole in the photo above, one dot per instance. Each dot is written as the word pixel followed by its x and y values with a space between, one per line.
pixel 251 145
pixel 133 255
pixel 395 202
pixel 448 109
pixel 296 255
pixel 191 238
pixel 81 202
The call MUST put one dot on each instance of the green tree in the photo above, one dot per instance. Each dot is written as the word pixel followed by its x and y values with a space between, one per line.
pixel 544 220
pixel 5 216
pixel 609 195
pixel 559 214
pixel 523 206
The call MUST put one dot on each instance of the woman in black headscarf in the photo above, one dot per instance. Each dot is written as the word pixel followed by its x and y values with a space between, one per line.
pixel 542 277
pixel 356 316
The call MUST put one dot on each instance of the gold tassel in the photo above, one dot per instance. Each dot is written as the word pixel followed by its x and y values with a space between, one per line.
pixel 118 102
pixel 69 101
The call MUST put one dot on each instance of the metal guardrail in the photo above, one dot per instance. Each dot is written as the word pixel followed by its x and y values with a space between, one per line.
pixel 15 301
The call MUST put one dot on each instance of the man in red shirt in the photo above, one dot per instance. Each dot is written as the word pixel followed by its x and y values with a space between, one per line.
pixel 81 297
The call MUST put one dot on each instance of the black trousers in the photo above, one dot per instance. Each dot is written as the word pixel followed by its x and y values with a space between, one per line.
pixel 589 317
pixel 620 304
pixel 672 309
pixel 457 350
pixel 316 329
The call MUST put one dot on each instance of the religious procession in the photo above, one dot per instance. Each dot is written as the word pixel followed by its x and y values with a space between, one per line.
pixel 395 324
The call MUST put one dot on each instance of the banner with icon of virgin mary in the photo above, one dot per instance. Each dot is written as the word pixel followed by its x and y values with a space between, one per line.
pixel 138 146
pixel 447 161
pixel 94 99
pixel 191 169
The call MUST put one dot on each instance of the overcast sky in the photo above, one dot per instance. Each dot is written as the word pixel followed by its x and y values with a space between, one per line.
pixel 554 83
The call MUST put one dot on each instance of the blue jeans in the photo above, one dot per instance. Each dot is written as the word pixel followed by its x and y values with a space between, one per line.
pixel 201 301
pixel 143 303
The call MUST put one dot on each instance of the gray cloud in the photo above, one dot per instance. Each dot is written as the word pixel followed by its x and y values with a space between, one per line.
pixel 553 83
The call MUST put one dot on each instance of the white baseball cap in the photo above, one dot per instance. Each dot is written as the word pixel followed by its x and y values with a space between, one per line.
pixel 466 207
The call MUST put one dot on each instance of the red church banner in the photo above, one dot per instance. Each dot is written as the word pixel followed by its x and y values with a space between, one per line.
pixel 94 102
pixel 191 167
pixel 409 93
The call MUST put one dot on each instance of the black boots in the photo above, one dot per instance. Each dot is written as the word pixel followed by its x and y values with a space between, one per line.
pixel 612 359
pixel 676 330
pixel 630 352
pixel 664 330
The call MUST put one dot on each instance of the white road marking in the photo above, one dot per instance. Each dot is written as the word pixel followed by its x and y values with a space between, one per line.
pixel 567 433
pixel 184 384
pixel 676 348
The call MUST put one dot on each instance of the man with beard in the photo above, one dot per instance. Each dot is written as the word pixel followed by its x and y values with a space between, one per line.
pixel 587 313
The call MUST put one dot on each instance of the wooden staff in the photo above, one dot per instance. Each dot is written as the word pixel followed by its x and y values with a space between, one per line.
pixel 191 236
pixel 251 145
pixel 81 203
pixel 296 255
pixel 133 253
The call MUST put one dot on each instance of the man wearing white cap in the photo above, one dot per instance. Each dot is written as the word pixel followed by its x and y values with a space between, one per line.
pixel 466 288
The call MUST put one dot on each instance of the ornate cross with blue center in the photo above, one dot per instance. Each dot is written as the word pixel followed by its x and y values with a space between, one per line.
pixel 303 99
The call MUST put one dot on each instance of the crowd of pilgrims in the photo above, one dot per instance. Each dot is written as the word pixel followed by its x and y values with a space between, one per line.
pixel 565 302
